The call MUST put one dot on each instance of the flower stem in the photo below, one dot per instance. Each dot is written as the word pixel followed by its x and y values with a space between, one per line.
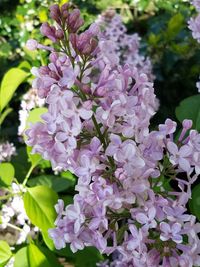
pixel 28 174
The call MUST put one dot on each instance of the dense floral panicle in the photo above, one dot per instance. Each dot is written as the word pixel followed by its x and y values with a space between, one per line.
pixel 29 101
pixel 13 213
pixel 7 150
pixel 116 46
pixel 97 126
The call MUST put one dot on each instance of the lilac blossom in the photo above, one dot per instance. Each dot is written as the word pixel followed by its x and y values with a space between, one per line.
pixel 97 127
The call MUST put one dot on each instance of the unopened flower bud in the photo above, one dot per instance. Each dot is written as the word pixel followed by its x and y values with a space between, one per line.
pixel 32 44
pixel 59 34
pixel 86 89
pixel 53 57
pixel 74 21
pixel 187 124
pixel 55 13
pixel 49 31
pixel 65 10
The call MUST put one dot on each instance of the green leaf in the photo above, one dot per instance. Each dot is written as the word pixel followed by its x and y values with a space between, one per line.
pixel 33 256
pixel 48 241
pixel 50 256
pixel 69 176
pixel 35 116
pixel 7 173
pixel 120 233
pixel 68 200
pixel 189 108
pixel 39 204
pixel 65 252
pixel 36 257
pixel 34 158
pixel 175 24
pixel 87 257
pixel 11 80
pixel 21 164
pixel 5 113
pixel 58 184
pixel 194 202
pixel 24 65
pixel 5 252
pixel 21 258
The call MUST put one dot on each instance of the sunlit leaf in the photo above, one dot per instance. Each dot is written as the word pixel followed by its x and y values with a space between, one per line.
pixel 5 252
pixel 11 81
pixel 7 173
pixel 39 204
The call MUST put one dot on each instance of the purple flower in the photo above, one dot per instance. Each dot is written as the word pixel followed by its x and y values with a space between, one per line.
pixel 135 238
pixel 74 214
pixel 171 232
pixel 147 220
pixel 180 156
pixel 58 238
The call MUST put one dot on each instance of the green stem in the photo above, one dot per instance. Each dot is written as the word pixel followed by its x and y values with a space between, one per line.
pixel 14 227
pixel 5 114
pixel 99 131
pixel 28 174
pixel 6 197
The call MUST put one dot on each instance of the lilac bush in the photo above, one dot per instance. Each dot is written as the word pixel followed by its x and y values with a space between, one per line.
pixel 134 184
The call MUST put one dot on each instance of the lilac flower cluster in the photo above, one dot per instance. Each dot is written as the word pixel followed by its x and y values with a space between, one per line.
pixel 116 46
pixel 97 126
pixel 7 150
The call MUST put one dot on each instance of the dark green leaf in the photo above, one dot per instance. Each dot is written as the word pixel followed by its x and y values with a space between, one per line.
pixel 87 257
pixel 189 108
pixel 21 164
pixel 58 184
pixel 194 202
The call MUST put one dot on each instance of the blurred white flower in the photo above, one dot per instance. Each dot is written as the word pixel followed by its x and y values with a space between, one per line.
pixel 7 150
